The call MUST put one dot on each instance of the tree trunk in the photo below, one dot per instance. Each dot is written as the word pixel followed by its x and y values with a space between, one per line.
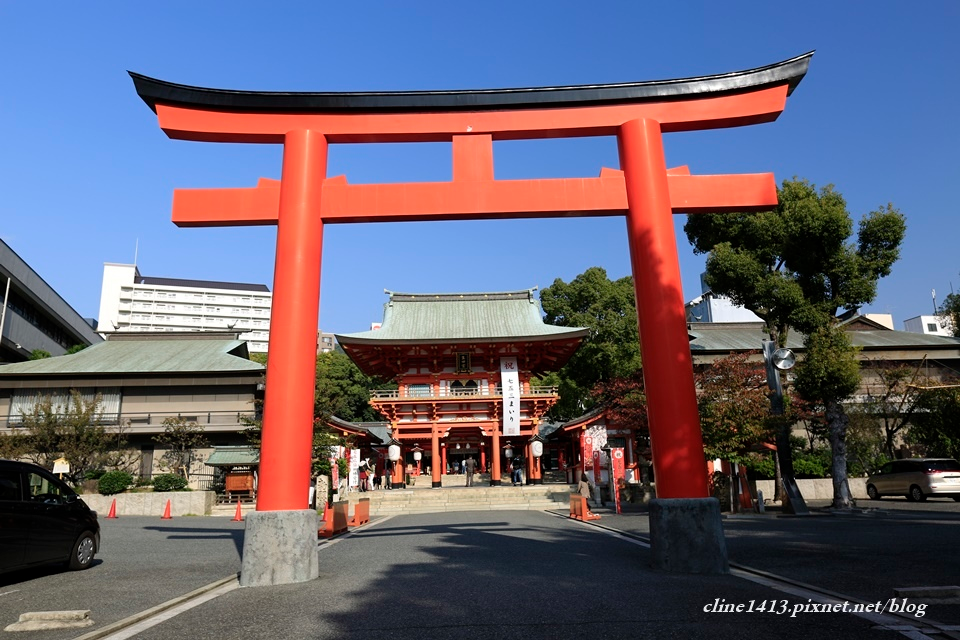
pixel 837 421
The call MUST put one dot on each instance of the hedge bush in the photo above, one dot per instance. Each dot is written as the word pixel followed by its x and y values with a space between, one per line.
pixel 114 482
pixel 169 482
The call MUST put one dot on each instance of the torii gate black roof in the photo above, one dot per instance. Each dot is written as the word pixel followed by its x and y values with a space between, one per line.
pixel 789 72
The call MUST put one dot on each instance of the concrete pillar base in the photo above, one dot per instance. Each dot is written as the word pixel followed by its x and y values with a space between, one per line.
pixel 279 547
pixel 686 536
pixel 437 485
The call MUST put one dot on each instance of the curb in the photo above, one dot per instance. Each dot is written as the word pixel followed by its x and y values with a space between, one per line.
pixel 148 613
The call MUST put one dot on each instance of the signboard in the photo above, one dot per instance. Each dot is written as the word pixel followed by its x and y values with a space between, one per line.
pixel 61 466
pixel 510 379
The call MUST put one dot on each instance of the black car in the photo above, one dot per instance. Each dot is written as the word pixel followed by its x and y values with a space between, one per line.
pixel 43 521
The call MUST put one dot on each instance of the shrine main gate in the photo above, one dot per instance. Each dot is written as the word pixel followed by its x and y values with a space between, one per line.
pixel 281 535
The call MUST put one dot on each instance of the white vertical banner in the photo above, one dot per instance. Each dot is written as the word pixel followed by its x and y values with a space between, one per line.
pixel 354 467
pixel 510 380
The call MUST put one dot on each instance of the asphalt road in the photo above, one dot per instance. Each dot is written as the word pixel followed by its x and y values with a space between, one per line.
pixel 511 574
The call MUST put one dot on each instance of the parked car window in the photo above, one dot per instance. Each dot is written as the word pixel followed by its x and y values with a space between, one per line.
pixel 10 484
pixel 942 465
pixel 887 468
pixel 42 489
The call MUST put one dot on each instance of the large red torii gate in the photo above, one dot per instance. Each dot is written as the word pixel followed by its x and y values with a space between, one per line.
pixel 643 190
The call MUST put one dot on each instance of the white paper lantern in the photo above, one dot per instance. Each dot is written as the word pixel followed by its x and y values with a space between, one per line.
pixel 417 455
pixel 393 452
pixel 537 448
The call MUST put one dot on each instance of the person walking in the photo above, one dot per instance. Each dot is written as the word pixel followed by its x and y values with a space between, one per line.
pixel 516 476
pixel 585 490
pixel 469 466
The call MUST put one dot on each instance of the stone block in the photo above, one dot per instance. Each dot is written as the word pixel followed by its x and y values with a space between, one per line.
pixel 280 547
pixel 686 536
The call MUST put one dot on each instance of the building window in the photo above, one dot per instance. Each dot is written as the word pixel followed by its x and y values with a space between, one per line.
pixel 464 388
pixel 419 391
pixel 932 327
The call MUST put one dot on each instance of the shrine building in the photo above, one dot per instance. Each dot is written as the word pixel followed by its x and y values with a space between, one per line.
pixel 463 364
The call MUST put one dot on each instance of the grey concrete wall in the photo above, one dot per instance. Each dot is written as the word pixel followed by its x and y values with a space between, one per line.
pixel 182 503
pixel 818 489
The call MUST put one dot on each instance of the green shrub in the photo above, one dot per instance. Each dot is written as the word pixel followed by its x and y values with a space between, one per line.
pixel 169 482
pixel 143 482
pixel 114 482
pixel 94 474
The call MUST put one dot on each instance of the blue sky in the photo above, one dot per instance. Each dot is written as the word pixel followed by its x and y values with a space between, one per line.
pixel 86 175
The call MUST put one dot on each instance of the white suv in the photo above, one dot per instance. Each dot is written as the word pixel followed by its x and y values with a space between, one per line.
pixel 916 478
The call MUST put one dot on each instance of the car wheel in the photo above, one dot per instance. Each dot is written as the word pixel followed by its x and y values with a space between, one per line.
pixel 83 551
pixel 916 494
pixel 872 492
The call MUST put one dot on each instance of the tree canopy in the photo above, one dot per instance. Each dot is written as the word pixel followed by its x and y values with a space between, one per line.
pixel 950 311
pixel 611 350
pixel 795 266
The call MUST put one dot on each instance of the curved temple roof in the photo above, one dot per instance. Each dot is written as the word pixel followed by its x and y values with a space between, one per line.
pixel 438 318
pixel 789 72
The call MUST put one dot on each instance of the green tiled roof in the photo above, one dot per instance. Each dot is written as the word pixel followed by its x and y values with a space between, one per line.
pixel 425 317
pixel 718 337
pixel 236 456
pixel 141 353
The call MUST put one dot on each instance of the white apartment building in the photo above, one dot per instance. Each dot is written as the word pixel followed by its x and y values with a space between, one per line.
pixel 930 325
pixel 131 302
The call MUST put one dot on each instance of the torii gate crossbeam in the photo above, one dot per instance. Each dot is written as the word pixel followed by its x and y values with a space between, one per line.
pixel 643 190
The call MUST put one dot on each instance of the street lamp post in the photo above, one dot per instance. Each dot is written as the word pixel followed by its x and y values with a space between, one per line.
pixel 777 360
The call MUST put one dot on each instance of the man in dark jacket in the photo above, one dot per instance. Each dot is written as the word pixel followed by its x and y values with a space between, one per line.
pixel 469 466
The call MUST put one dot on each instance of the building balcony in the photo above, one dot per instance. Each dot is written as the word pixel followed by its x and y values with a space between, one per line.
pixel 465 394
pixel 152 422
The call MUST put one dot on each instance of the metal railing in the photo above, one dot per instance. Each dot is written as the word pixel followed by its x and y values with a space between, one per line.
pixel 421 394
pixel 156 418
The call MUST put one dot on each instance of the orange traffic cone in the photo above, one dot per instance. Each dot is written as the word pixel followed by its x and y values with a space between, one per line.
pixel 166 512
pixel 239 516
pixel 326 512
pixel 113 509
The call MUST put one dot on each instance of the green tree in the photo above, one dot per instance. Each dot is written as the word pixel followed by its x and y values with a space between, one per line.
pixel 610 351
pixel 343 390
pixel 39 354
pixel 829 373
pixel 71 428
pixel 936 425
pixel 892 393
pixel 733 408
pixel 950 310
pixel 77 348
pixel 795 268
pixel 181 438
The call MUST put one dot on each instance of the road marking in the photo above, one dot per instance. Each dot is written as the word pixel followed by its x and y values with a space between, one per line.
pixel 904 624
pixel 166 614
pixel 6 593
pixel 111 630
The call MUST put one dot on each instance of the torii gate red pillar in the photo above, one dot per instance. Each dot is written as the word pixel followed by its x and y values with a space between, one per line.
pixel 289 393
pixel 644 191
pixel 664 345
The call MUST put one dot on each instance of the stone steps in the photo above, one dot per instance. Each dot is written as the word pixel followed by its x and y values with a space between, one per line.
pixel 476 498
pixel 420 497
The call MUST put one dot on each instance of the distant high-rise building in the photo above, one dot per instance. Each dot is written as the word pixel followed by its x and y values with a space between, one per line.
pixel 131 302
pixel 326 342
